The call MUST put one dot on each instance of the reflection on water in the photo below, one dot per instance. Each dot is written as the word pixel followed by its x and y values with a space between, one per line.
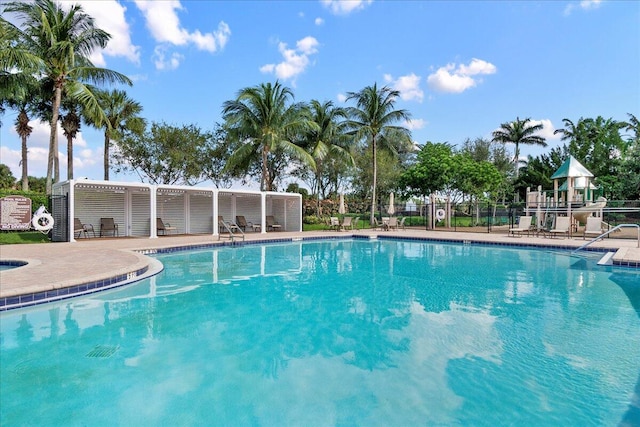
pixel 336 332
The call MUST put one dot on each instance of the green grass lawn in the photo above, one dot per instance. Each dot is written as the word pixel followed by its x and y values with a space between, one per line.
pixel 13 237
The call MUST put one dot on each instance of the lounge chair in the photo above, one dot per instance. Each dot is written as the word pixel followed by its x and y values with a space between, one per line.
pixel 334 223
pixel 272 224
pixel 79 227
pixel 164 228
pixel 392 223
pixel 108 225
pixel 524 226
pixel 241 221
pixel 562 226
pixel 347 223
pixel 355 223
pixel 593 227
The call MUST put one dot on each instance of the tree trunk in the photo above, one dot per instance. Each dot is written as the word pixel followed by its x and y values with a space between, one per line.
pixel 265 185
pixel 69 157
pixel 106 154
pixel 25 171
pixel 53 140
pixel 375 180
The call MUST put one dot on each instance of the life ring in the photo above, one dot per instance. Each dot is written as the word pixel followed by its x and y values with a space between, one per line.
pixel 440 214
pixel 43 222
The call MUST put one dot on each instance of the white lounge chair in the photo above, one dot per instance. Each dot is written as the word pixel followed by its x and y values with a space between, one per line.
pixel 593 227
pixel 347 223
pixel 524 226
pixel 562 226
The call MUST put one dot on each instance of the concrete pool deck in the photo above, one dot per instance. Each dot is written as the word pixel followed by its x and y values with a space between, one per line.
pixel 56 266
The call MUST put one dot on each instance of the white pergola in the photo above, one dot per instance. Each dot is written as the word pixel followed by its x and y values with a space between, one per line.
pixel 135 207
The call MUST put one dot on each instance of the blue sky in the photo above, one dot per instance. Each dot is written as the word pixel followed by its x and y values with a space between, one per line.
pixel 462 67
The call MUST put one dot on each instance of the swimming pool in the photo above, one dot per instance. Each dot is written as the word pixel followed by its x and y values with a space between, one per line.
pixel 337 332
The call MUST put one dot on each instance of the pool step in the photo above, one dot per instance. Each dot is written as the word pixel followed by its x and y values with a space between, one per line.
pixel 607 259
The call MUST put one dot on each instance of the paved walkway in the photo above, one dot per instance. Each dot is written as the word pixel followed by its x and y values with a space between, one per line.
pixel 53 266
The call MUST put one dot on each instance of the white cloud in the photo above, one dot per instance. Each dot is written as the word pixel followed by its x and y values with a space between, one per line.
pixel 409 86
pixel 295 60
pixel 457 79
pixel 547 130
pixel 164 24
pixel 584 5
pixel 319 21
pixel 341 97
pixel 163 61
pixel 345 7
pixel 109 15
pixel 414 124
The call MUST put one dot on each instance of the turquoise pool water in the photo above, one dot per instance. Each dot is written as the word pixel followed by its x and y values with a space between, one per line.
pixel 388 333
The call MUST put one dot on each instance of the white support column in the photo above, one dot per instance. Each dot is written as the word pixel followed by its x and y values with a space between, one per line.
pixel 215 199
pixel 263 213
pixel 71 199
pixel 153 213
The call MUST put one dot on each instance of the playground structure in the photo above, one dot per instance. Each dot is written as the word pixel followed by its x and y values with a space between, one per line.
pixel 574 198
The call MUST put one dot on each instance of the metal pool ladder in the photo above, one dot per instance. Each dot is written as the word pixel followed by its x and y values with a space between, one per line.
pixel 617 227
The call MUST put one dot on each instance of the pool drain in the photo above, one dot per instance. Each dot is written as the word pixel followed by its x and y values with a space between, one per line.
pixel 103 351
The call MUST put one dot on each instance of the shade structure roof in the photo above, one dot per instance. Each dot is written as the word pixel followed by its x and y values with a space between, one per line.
pixel 571 168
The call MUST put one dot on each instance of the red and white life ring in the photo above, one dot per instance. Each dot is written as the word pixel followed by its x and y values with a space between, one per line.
pixel 440 214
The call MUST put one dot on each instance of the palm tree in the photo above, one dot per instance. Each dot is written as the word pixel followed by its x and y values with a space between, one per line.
pixel 70 127
pixel 633 125
pixel 64 40
pixel 120 113
pixel 372 121
pixel 326 141
pixel 519 132
pixel 265 122
pixel 24 130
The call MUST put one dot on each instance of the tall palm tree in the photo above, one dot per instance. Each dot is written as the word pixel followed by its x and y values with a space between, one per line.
pixel 519 132
pixel 264 120
pixel 327 140
pixel 70 127
pixel 120 113
pixel 372 121
pixel 24 130
pixel 63 40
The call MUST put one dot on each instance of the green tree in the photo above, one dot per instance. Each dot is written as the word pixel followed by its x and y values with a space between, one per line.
pixel 63 40
pixel 633 125
pixel 329 147
pixel 433 172
pixel 119 113
pixel 265 122
pixel 519 132
pixel 164 154
pixel 7 180
pixel 372 120
pixel 215 154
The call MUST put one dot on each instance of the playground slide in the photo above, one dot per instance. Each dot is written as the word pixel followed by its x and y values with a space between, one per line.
pixel 582 213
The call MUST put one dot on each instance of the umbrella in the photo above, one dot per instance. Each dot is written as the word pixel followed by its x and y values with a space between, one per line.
pixel 341 208
pixel 391 209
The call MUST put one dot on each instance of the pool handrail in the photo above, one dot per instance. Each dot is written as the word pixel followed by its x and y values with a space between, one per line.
pixel 228 228
pixel 617 227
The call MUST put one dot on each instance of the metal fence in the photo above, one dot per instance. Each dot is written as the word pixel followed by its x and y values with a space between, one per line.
pixel 497 218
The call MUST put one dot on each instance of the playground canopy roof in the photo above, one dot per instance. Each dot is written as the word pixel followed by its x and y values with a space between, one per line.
pixel 571 168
